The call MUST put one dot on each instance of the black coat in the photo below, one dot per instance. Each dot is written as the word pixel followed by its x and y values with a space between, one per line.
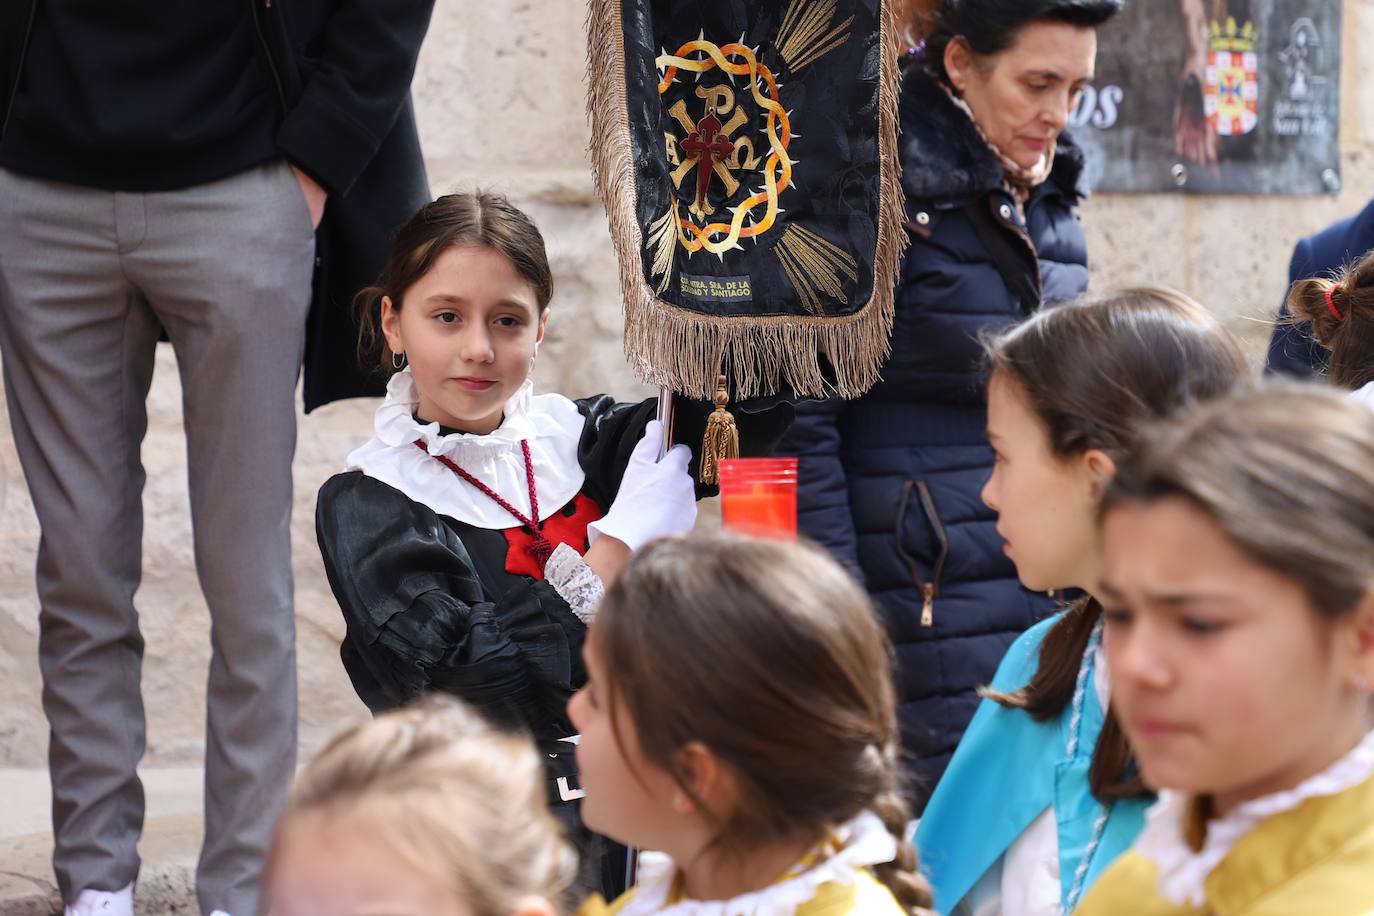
pixel 341 70
pixel 345 71
pixel 430 605
pixel 890 482
pixel 427 598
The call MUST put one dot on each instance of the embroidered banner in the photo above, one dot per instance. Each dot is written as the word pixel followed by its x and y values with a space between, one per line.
pixel 746 155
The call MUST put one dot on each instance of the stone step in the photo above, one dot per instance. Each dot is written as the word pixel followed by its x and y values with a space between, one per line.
pixel 169 846
pixel 166 883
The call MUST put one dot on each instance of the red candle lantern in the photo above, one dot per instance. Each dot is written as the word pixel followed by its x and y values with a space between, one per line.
pixel 758 496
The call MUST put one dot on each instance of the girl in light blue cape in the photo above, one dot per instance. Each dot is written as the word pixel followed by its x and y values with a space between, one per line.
pixel 1016 783
pixel 1042 793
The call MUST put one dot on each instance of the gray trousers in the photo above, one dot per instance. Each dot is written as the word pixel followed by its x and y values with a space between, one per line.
pixel 87 277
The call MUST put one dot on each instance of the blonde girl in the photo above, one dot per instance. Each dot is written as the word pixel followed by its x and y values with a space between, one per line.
pixel 427 811
pixel 1042 792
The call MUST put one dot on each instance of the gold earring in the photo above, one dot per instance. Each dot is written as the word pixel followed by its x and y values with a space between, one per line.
pixel 398 361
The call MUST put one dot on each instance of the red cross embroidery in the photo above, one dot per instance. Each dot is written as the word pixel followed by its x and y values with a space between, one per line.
pixel 707 145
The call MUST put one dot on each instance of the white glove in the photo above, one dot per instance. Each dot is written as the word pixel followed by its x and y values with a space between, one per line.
pixel 656 498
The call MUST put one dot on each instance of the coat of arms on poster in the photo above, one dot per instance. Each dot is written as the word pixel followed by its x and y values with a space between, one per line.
pixel 1215 96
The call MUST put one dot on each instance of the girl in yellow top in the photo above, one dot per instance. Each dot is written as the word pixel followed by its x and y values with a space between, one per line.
pixel 739 717
pixel 1238 590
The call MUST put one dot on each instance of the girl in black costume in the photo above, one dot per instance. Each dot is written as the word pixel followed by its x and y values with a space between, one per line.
pixel 469 541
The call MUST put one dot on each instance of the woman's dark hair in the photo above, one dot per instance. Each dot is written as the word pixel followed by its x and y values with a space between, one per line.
pixel 1096 372
pixel 480 219
pixel 771 656
pixel 1349 338
pixel 1286 470
pixel 992 26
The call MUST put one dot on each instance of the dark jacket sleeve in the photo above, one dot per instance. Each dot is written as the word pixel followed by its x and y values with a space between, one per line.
pixel 823 512
pixel 1292 349
pixel 613 429
pixel 419 618
pixel 355 81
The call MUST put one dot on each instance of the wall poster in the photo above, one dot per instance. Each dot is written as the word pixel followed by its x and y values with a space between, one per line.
pixel 1216 96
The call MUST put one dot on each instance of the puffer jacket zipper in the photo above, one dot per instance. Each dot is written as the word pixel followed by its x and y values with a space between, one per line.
pixel 929 588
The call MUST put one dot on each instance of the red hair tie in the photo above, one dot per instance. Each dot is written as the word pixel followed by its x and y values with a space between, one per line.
pixel 1331 303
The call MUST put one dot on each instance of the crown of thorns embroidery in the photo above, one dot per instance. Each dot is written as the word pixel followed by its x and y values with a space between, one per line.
pixel 712 150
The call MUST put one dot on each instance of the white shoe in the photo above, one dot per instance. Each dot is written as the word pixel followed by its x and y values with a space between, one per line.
pixel 103 903
pixel 219 913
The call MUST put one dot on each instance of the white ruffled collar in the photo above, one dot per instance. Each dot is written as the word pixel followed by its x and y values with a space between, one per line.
pixel 867 842
pixel 550 423
pixel 1183 873
pixel 395 423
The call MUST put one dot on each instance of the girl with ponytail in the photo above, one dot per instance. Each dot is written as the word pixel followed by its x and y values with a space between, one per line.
pixel 1341 312
pixel 1043 792
pixel 739 716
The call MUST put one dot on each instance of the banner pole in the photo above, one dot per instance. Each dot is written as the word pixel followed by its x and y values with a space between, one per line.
pixel 665 417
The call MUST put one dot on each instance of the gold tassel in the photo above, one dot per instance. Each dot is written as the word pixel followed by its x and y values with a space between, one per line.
pixel 722 436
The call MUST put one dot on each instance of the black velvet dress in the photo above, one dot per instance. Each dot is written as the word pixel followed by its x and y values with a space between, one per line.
pixel 433 603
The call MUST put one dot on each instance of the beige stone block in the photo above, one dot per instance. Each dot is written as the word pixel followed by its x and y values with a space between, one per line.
pixel 1357 75
pixel 1230 252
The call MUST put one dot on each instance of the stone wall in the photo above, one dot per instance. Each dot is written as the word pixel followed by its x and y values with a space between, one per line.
pixel 1232 252
pixel 499 96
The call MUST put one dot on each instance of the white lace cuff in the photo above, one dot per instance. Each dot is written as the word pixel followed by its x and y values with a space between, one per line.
pixel 575 582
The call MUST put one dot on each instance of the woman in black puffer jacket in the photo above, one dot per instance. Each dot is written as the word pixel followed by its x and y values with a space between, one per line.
pixel 890 482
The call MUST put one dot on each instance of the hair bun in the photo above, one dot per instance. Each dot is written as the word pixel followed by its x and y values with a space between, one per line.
pixel 1308 303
